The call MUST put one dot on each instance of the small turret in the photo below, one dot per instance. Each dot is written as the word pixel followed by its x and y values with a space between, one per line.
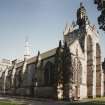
pixel 60 44
pixel 39 56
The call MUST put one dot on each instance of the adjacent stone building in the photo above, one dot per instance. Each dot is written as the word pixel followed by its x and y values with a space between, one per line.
pixel 5 64
pixel 71 70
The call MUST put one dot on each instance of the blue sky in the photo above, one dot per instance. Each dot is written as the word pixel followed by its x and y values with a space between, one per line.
pixel 43 21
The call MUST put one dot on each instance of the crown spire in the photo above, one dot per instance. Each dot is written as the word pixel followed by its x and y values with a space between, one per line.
pixel 82 18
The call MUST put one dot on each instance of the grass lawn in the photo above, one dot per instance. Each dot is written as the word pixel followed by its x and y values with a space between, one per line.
pixel 7 103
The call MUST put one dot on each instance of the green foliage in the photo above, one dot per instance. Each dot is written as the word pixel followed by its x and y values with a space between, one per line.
pixel 101 7
pixel 67 65
pixel 58 64
pixel 63 69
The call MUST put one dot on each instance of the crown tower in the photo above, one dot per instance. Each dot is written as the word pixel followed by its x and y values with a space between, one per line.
pixel 82 18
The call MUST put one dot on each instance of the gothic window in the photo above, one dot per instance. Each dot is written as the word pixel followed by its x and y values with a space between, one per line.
pixel 9 78
pixel 77 71
pixel 98 70
pixel 48 73
pixel 18 78
pixel 89 66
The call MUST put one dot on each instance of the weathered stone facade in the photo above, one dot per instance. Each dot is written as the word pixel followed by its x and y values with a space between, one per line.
pixel 72 70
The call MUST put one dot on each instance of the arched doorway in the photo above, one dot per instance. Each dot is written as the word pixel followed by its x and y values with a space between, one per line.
pixel 98 70
pixel 89 67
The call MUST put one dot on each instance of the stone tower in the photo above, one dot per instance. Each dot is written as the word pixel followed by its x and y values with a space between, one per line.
pixel 84 40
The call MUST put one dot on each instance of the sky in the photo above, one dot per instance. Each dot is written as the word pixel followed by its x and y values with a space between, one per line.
pixel 43 21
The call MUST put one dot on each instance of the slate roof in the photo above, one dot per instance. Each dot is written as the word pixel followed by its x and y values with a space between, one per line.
pixel 44 55
pixel 48 53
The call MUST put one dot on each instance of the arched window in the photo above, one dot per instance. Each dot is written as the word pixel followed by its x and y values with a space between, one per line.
pixel 98 70
pixel 49 73
pixel 89 66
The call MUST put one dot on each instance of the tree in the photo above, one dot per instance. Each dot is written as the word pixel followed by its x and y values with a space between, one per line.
pixel 63 71
pixel 67 64
pixel 67 71
pixel 58 73
pixel 101 7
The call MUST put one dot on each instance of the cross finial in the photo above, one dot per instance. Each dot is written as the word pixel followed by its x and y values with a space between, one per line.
pixel 81 0
pixel 26 38
pixel 81 4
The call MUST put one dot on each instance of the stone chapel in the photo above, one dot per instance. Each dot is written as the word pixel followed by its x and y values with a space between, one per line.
pixel 71 70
